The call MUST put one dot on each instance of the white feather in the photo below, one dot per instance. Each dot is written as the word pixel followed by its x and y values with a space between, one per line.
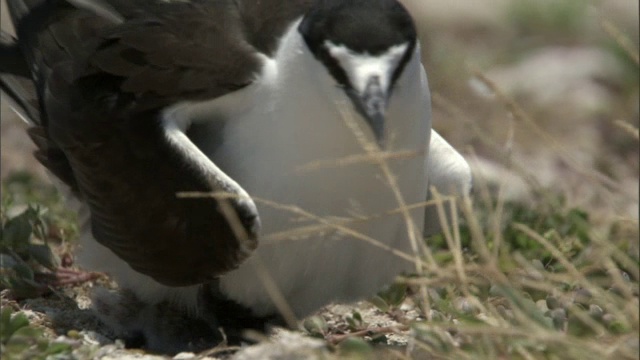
pixel 287 120
pixel 295 122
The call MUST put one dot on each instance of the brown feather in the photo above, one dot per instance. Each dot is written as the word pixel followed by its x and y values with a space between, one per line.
pixel 103 84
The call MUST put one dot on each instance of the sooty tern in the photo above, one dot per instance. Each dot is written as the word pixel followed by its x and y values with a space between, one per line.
pixel 283 109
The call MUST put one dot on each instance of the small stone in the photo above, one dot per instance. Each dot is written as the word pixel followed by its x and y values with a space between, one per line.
pixel 582 297
pixel 553 303
pixel 434 295
pixel 542 305
pixel 489 320
pixel 575 308
pixel 184 356
pixel 407 307
pixel 504 312
pixel 286 345
pixel 464 305
pixel 559 317
pixel 537 264
pixel 625 276
pixel 436 315
pixel 596 312
pixel 608 319
pixel 535 273
pixel 495 290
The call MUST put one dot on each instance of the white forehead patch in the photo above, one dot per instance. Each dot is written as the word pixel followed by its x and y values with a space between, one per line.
pixel 361 67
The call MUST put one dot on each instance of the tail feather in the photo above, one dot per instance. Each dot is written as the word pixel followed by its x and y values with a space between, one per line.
pixel 23 74
pixel 15 73
pixel 53 158
pixel 39 136
pixel 15 80
pixel 11 59
pixel 20 8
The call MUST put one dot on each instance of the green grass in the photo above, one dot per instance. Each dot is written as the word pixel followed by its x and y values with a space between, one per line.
pixel 33 218
pixel 514 281
pixel 21 340
pixel 538 284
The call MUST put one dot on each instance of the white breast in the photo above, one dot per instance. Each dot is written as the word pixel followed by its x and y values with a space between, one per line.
pixel 294 123
pixel 275 129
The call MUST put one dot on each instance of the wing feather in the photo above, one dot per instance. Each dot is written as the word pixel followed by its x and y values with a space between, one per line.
pixel 105 70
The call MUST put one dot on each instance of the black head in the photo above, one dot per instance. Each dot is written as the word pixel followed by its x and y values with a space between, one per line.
pixel 344 33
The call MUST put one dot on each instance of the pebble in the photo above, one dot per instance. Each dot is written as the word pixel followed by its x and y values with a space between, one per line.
pixel 542 305
pixel 553 303
pixel 287 345
pixel 463 305
pixel 582 297
pixel 559 317
pixel 495 290
pixel 434 295
pixel 596 311
pixel 184 356
pixel 537 264
pixel 489 320
pixel 436 315
pixel 608 319
pixel 504 312
pixel 626 277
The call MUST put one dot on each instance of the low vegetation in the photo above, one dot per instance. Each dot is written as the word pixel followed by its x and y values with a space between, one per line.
pixel 511 280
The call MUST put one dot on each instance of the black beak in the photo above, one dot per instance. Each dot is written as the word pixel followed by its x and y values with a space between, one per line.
pixel 372 104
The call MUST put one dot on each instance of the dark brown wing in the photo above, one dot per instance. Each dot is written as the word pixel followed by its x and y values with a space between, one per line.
pixel 265 21
pixel 102 82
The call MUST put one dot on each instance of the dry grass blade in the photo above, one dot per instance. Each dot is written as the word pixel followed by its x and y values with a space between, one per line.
pixel 371 158
pixel 375 152
pixel 632 130
pixel 274 292
pixel 575 274
pixel 622 40
pixel 323 223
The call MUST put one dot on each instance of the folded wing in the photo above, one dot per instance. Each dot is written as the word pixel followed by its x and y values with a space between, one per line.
pixel 103 71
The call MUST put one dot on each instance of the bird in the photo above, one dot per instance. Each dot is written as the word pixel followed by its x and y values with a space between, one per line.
pixel 237 161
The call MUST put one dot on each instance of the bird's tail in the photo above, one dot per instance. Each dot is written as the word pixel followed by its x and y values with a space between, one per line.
pixel 45 30
pixel 18 70
pixel 15 80
pixel 26 64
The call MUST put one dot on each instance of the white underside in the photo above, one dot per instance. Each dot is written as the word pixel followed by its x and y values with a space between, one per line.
pixel 291 122
pixel 298 123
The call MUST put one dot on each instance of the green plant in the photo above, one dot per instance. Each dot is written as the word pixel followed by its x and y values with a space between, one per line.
pixel 390 298
pixel 21 340
pixel 24 256
pixel 567 227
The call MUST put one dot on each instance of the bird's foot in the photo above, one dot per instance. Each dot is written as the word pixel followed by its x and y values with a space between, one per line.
pixel 65 277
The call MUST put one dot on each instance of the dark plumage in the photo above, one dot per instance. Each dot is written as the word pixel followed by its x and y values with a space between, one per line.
pixel 101 85
pixel 133 102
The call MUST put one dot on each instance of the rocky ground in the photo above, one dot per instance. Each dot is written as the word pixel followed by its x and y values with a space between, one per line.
pixel 536 94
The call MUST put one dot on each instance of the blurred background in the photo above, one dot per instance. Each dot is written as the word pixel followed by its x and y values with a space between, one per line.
pixel 537 94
